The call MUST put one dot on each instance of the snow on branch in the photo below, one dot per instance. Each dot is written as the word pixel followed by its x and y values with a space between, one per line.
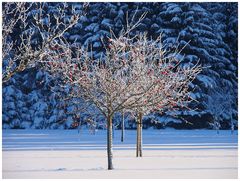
pixel 134 74
pixel 220 103
pixel 34 22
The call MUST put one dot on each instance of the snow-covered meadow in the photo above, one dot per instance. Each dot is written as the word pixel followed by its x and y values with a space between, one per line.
pixel 166 154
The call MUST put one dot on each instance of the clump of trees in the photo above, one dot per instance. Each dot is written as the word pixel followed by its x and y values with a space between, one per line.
pixel 134 73
pixel 212 29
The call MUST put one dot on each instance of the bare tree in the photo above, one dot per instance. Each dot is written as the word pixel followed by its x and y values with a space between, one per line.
pixel 20 54
pixel 172 94
pixel 168 78
pixel 133 73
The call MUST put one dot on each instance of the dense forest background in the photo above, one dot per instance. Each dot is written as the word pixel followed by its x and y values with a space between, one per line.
pixel 211 30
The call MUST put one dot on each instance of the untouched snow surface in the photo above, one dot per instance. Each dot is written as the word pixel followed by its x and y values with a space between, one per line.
pixel 166 154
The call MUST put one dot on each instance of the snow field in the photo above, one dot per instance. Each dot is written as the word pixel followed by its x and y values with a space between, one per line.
pixel 166 154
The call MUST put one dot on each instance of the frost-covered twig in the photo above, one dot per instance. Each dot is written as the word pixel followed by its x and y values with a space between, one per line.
pixel 17 56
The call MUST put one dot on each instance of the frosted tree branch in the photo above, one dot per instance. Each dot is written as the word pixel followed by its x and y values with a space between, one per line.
pixel 17 56
pixel 135 74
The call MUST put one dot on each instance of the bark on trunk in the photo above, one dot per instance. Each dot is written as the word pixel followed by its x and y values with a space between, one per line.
pixel 122 127
pixel 109 142
pixel 79 127
pixel 113 130
pixel 139 136
pixel 137 142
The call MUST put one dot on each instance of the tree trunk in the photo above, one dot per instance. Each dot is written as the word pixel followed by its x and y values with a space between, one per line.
pixel 139 135
pixel 113 130
pixel 137 142
pixel 122 127
pixel 79 127
pixel 109 142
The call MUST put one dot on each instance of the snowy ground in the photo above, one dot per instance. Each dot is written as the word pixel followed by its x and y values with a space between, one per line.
pixel 166 154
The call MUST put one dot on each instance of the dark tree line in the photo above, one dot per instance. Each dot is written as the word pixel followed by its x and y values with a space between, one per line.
pixel 209 29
